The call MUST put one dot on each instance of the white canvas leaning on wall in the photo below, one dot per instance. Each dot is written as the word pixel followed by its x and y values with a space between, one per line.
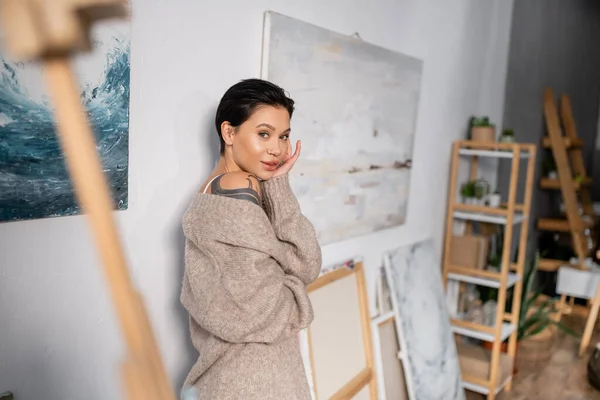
pixel 423 323
pixel 356 107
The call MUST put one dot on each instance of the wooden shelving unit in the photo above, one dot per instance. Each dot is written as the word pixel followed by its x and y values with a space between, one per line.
pixel 566 151
pixel 510 214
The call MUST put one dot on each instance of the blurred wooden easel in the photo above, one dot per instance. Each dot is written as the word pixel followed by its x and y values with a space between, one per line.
pixel 572 182
pixel 50 32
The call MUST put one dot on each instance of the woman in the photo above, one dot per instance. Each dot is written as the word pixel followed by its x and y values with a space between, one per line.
pixel 249 256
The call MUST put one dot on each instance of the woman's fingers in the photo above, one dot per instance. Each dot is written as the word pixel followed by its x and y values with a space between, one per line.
pixel 298 148
pixel 289 163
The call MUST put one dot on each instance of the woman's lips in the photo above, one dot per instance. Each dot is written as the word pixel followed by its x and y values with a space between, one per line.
pixel 270 166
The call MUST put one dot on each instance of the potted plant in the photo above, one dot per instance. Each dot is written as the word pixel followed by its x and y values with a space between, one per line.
pixel 467 192
pixel 482 188
pixel 537 320
pixel 507 136
pixel 482 130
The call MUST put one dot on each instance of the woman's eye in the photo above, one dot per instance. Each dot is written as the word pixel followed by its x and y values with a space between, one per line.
pixel 263 134
pixel 285 137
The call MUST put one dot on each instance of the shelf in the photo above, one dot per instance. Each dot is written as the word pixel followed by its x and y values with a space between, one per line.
pixel 494 149
pixel 511 279
pixel 507 329
pixel 504 153
pixel 480 273
pixel 474 387
pixel 490 216
pixel 475 368
pixel 481 209
pixel 518 207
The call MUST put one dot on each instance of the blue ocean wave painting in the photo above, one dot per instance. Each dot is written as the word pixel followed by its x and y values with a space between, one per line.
pixel 34 180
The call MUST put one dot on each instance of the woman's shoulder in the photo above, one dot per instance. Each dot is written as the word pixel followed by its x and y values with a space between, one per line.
pixel 231 212
pixel 231 193
pixel 238 185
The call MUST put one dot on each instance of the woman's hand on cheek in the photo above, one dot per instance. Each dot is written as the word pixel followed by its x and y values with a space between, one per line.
pixel 290 160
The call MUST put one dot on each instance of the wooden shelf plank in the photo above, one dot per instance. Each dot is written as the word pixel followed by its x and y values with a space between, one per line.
pixel 491 153
pixel 547 183
pixel 550 265
pixel 518 206
pixel 482 273
pixel 467 383
pixel 480 209
pixel 569 143
pixel 481 332
pixel 511 279
pixel 494 215
pixel 470 144
pixel 485 216
pixel 553 225
pixel 459 269
pixel 559 224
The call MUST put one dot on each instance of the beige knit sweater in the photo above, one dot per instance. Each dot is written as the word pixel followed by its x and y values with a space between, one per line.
pixel 246 272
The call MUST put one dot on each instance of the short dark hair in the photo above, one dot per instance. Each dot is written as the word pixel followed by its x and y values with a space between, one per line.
pixel 242 99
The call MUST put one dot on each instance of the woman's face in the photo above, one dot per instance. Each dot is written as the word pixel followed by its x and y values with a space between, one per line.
pixel 261 143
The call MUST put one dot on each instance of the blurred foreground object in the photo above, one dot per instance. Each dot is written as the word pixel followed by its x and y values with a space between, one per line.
pixel 6 396
pixel 37 29
pixel 49 32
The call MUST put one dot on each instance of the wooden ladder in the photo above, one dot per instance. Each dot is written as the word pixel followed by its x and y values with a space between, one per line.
pixel 567 154
pixel 569 159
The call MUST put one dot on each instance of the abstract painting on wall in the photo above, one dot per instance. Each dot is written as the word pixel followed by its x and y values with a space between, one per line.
pixel 356 109
pixel 34 181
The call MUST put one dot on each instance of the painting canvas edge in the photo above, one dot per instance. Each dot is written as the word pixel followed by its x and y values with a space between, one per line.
pixel 400 333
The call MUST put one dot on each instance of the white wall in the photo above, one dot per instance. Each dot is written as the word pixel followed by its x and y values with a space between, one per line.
pixel 58 334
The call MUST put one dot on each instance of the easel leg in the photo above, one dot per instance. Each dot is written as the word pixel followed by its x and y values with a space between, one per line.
pixel 561 306
pixel 590 323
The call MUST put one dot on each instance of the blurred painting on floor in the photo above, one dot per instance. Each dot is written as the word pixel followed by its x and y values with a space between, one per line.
pixel 356 109
pixel 34 181
pixel 423 325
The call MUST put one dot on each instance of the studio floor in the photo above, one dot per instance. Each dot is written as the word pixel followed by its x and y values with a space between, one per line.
pixel 563 377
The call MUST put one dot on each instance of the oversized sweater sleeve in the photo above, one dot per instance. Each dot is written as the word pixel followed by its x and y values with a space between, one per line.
pixel 292 228
pixel 234 285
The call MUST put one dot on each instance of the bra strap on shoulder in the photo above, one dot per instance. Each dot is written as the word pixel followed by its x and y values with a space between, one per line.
pixel 210 182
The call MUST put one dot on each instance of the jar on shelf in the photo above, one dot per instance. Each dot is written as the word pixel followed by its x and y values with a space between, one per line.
pixel 475 313
pixel 489 312
pixel 467 300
